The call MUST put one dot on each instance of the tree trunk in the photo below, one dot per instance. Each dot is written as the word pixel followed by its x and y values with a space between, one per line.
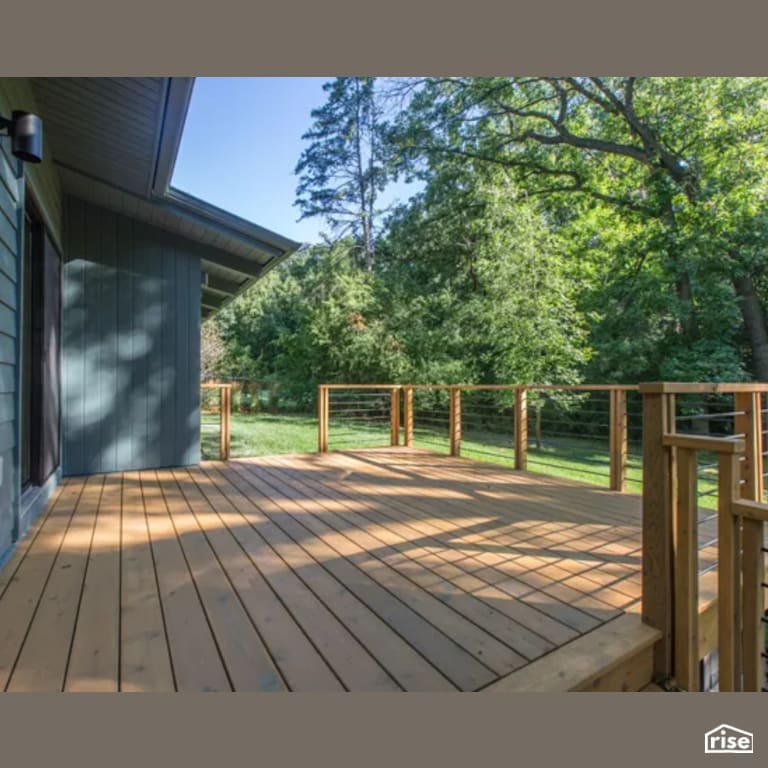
pixel 688 322
pixel 754 323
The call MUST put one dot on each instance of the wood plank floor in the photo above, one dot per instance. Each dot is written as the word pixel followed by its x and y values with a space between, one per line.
pixel 379 570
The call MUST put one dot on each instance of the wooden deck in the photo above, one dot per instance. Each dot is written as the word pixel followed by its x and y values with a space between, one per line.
pixel 379 570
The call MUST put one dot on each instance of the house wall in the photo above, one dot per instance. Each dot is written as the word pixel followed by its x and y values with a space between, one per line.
pixel 130 344
pixel 11 197
pixel 17 180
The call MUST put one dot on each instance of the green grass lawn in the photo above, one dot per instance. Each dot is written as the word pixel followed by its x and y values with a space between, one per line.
pixel 264 434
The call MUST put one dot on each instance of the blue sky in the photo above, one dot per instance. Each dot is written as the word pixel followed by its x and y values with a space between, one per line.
pixel 241 143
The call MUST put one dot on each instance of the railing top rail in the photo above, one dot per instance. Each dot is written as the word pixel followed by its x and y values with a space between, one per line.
pixel 654 387
pixel 494 387
pixel 699 443
pixel 210 385
pixel 684 388
pixel 755 510
pixel 361 386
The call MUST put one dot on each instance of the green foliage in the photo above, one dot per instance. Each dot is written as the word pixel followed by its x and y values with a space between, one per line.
pixel 316 319
pixel 600 229
pixel 659 184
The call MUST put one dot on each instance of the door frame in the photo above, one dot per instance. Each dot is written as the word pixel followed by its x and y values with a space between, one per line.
pixel 34 495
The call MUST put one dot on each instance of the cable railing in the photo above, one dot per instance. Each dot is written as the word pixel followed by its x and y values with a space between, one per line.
pixel 590 433
pixel 720 415
pixel 360 416
pixel 705 532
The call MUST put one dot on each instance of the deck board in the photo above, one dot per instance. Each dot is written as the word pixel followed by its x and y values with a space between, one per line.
pixel 145 661
pixel 192 647
pixel 377 570
pixel 19 600
pixel 94 657
pixel 42 663
pixel 246 660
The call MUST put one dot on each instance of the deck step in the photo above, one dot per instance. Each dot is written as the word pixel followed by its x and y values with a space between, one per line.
pixel 617 656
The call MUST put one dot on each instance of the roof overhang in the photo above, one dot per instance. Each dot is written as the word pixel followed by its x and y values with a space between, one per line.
pixel 115 143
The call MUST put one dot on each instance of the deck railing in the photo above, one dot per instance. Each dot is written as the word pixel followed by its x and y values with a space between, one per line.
pixel 732 620
pixel 587 432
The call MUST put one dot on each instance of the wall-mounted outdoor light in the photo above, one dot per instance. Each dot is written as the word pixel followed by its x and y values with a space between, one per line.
pixel 26 132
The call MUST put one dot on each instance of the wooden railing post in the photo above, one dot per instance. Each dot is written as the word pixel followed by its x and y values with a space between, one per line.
pixel 752 604
pixel 728 575
pixel 659 499
pixel 225 421
pixel 618 439
pixel 322 418
pixel 749 423
pixel 455 421
pixel 760 448
pixel 521 428
pixel 686 636
pixel 408 415
pixel 394 416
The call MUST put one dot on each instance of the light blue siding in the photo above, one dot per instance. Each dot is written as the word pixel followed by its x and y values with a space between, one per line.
pixel 11 189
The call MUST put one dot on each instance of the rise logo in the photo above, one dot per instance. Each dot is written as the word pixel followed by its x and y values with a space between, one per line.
pixel 727 740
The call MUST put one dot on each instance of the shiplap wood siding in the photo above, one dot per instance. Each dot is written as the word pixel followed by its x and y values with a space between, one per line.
pixel 11 206
pixel 131 344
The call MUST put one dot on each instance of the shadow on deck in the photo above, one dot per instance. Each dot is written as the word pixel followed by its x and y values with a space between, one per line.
pixel 391 569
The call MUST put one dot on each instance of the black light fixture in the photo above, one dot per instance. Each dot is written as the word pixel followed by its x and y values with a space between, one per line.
pixel 26 132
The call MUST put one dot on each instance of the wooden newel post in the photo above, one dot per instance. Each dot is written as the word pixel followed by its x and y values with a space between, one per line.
pixel 752 604
pixel 408 415
pixel 618 439
pixel 322 419
pixel 394 416
pixel 749 423
pixel 521 428
pixel 659 501
pixel 455 421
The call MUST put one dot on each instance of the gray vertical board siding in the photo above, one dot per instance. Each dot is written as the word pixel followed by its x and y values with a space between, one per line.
pixel 11 211
pixel 131 345
pixel 124 349
pixel 167 374
pixel 137 395
pixel 73 324
pixel 192 380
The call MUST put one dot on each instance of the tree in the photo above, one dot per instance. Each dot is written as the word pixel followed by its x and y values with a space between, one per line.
pixel 316 318
pixel 212 350
pixel 479 284
pixel 342 171
pixel 681 158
